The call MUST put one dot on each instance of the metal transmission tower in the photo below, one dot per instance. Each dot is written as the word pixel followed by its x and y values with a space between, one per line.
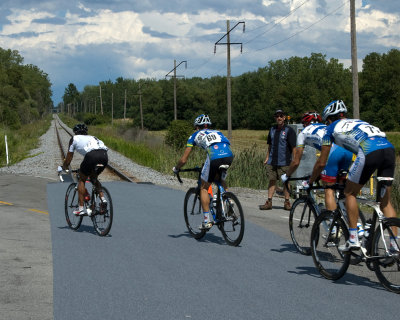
pixel 228 63
pixel 354 68
pixel 175 76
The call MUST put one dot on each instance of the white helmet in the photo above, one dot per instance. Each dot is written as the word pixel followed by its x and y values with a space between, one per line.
pixel 335 107
pixel 202 120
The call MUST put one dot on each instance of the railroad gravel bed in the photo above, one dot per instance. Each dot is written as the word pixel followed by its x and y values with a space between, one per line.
pixel 43 161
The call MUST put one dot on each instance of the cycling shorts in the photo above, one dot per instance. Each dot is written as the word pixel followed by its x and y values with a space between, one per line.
pixel 93 158
pixel 339 159
pixel 210 168
pixel 382 160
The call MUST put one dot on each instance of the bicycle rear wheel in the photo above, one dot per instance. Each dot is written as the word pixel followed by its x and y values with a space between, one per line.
pixel 102 215
pixel 328 232
pixel 71 204
pixel 193 213
pixel 301 219
pixel 232 227
pixel 387 268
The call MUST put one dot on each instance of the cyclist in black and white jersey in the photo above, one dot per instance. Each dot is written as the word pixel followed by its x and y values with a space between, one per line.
pixel 94 152
pixel 339 158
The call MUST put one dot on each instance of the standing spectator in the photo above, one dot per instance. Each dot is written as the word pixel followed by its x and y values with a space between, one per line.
pixel 281 143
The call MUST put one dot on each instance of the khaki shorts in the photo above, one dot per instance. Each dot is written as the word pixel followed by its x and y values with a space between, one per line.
pixel 275 172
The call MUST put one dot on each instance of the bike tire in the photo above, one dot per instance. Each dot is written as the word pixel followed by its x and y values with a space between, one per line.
pixel 387 269
pixel 301 219
pixel 193 213
pixel 72 203
pixel 328 232
pixel 232 226
pixel 103 213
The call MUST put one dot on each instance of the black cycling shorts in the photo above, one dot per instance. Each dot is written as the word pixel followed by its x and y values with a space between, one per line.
pixel 210 168
pixel 93 158
pixel 383 160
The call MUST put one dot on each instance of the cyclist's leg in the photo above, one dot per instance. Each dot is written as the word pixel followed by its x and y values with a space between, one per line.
pixel 204 196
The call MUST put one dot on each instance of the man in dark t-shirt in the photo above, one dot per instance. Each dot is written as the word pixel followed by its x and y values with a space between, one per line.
pixel 281 143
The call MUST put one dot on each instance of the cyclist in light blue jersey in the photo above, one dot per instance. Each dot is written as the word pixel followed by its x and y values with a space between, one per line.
pixel 339 158
pixel 374 152
pixel 218 151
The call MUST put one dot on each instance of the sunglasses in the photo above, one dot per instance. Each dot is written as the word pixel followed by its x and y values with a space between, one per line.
pixel 279 116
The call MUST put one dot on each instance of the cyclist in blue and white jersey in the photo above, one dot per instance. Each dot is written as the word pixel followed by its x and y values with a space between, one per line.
pixel 339 158
pixel 374 152
pixel 218 153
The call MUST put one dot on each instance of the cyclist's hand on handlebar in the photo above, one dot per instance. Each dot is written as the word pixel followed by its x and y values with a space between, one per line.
pixel 284 178
pixel 305 184
pixel 175 170
pixel 60 169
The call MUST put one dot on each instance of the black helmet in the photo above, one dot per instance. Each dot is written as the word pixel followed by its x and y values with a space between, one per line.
pixel 80 128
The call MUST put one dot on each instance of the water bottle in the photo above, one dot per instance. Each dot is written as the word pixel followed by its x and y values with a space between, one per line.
pixel 214 202
pixel 87 195
pixel 366 229
pixel 360 230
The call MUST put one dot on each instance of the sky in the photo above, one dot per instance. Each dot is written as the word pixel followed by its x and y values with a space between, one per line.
pixel 88 41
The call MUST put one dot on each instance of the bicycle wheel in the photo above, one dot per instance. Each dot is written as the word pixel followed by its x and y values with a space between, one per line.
pixel 387 268
pixel 232 226
pixel 71 203
pixel 102 215
pixel 193 213
pixel 328 232
pixel 301 219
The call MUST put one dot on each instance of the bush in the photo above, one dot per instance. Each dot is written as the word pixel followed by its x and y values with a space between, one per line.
pixel 177 134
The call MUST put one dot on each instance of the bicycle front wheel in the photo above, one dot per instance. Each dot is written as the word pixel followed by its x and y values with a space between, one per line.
pixel 102 215
pixel 301 219
pixel 387 268
pixel 71 204
pixel 193 213
pixel 328 233
pixel 232 226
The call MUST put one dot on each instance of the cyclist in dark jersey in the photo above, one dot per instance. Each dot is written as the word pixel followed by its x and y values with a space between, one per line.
pixel 374 152
pixel 94 152
pixel 218 153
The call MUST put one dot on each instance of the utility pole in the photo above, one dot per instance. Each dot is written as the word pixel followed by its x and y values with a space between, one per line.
pixel 175 76
pixel 125 106
pixel 140 106
pixel 354 68
pixel 112 109
pixel 228 69
pixel 101 102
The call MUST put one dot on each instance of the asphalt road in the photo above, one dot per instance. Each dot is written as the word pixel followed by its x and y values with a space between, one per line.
pixel 150 268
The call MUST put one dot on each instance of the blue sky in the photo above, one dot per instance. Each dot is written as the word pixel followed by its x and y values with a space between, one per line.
pixel 85 42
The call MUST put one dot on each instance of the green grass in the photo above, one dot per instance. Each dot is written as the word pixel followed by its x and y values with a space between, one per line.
pixel 21 141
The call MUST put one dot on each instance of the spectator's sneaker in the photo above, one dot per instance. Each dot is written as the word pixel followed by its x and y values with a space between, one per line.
pixel 78 212
pixel 287 206
pixel 349 246
pixel 206 226
pixel 266 206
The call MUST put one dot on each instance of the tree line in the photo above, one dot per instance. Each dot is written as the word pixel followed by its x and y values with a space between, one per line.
pixel 296 85
pixel 25 93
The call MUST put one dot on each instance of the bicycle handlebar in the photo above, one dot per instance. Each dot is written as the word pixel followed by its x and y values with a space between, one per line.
pixel 195 169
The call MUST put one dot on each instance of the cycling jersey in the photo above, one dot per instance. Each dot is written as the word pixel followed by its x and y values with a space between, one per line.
pixel 311 136
pixel 213 141
pixel 85 143
pixel 353 134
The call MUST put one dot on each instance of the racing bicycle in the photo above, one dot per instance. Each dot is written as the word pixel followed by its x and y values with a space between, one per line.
pixel 226 210
pixel 101 212
pixel 375 251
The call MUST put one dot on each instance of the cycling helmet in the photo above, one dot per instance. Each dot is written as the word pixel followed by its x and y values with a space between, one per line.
pixel 310 117
pixel 201 120
pixel 80 128
pixel 335 107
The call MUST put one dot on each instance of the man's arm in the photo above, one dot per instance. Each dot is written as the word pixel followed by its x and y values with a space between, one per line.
pixel 320 163
pixel 184 158
pixel 70 155
pixel 297 154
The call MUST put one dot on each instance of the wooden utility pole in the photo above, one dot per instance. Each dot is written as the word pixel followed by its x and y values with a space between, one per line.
pixel 354 68
pixel 101 102
pixel 112 108
pixel 228 76
pixel 228 81
pixel 175 108
pixel 125 106
pixel 140 106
